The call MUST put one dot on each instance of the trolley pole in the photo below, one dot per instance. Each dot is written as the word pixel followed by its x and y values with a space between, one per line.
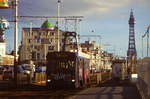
pixel 15 40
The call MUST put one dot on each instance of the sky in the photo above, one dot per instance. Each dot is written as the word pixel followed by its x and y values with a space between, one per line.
pixel 107 18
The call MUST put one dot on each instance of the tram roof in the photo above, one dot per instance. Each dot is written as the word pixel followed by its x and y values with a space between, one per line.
pixel 79 54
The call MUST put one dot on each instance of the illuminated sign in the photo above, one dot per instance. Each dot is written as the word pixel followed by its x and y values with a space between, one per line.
pixel 4 4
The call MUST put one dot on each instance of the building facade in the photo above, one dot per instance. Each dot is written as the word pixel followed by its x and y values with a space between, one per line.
pixel 37 42
pixel 100 60
pixel 107 60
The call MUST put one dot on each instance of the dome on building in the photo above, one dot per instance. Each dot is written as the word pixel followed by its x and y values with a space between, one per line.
pixel 47 25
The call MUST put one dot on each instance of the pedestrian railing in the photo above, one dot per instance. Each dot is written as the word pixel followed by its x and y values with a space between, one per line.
pixel 143 83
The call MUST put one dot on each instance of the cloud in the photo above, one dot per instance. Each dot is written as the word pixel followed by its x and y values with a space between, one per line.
pixel 142 3
pixel 86 7
pixel 79 7
pixel 71 7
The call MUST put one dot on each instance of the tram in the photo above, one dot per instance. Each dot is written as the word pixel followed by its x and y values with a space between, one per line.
pixel 67 70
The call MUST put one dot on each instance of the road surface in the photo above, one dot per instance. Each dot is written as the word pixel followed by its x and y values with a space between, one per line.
pixel 108 90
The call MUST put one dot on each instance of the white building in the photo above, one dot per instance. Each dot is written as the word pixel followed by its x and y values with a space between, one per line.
pixel 2 49
pixel 107 60
pixel 94 50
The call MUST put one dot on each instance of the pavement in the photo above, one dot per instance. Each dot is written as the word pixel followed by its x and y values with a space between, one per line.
pixel 108 93
pixel 110 90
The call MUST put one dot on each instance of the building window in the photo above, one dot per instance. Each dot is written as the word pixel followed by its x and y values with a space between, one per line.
pixel 46 41
pixel 42 40
pixel 31 46
pixel 50 40
pixel 33 55
pixel 52 33
pixel 29 41
pixel 50 47
pixel 35 47
pixel 38 48
pixel 48 33
pixel 42 32
pixel 38 40
pixel 38 56
pixel 39 33
pixel 28 34
pixel 35 37
pixel 32 33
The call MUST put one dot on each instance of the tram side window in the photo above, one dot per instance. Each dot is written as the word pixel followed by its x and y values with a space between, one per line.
pixel 71 64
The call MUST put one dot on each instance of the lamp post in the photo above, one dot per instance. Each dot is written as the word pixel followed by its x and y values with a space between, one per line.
pixel 15 39
pixel 146 33
pixel 58 22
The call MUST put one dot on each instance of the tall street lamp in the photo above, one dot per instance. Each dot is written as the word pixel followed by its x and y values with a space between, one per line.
pixel 146 33
pixel 58 22
pixel 4 5
pixel 15 5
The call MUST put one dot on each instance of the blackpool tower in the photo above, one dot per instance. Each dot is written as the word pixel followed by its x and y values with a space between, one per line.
pixel 131 53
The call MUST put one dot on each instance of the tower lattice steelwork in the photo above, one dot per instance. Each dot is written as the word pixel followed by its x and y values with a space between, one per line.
pixel 131 53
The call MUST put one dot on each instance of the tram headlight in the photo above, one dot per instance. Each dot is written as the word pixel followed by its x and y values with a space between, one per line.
pixel 48 80
pixel 73 80
pixel 27 72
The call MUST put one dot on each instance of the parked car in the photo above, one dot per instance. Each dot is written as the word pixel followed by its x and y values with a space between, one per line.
pixel 127 77
pixel 19 69
pixel 39 69
pixel 25 69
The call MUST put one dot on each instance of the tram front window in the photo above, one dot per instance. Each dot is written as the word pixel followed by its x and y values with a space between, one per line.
pixel 62 70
